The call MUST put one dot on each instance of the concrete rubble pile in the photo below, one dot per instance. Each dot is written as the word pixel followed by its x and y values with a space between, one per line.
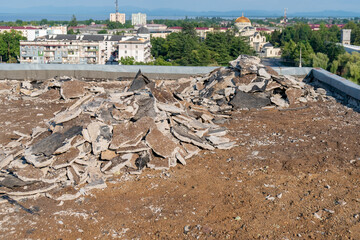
pixel 104 133
pixel 245 84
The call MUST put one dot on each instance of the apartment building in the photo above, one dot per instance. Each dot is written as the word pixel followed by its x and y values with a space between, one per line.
pixel 83 49
pixel 138 19
pixel 31 33
pixel 136 47
pixel 118 17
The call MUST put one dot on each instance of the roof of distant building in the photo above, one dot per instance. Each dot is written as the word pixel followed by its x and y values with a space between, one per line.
pixel 93 37
pixel 268 45
pixel 17 28
pixel 262 29
pixel 176 28
pixel 143 30
pixel 242 19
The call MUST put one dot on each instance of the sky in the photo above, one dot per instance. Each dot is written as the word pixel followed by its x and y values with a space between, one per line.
pixel 192 5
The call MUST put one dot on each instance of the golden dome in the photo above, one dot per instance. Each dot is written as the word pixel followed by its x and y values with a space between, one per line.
pixel 242 19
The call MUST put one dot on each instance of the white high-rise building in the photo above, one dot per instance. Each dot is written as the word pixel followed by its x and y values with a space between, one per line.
pixel 138 19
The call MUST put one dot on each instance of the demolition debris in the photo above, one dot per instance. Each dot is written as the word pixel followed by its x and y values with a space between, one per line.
pixel 148 125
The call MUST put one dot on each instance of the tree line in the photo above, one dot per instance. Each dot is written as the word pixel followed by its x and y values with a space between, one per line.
pixel 10 46
pixel 185 48
pixel 319 48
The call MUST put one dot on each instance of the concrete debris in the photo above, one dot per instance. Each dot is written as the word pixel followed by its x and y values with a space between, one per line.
pixel 245 84
pixel 146 125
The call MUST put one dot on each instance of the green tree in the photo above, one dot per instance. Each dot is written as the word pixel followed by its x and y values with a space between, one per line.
pixel 127 61
pixel 73 22
pixel 10 46
pixel 71 31
pixel 319 60
pixel 102 31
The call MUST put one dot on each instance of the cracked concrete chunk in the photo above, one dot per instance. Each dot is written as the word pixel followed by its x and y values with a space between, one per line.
pixel 29 173
pixel 160 144
pixel 263 73
pixel 130 133
pixel 293 94
pixel 247 100
pixel 108 155
pixel 182 133
pixel 100 135
pixel 218 140
pixel 67 116
pixel 145 108
pixel 66 158
pixel 139 82
pixel 279 101
pixel 50 144
pixel 73 89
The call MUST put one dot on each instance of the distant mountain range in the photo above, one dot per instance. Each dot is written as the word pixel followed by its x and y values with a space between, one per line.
pixel 85 12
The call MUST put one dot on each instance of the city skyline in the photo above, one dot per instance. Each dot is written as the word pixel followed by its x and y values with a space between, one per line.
pixel 186 5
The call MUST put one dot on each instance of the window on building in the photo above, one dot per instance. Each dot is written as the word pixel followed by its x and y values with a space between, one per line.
pixel 125 46
pixel 136 46
pixel 125 52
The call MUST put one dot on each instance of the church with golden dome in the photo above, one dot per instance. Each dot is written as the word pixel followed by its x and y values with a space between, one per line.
pixel 243 25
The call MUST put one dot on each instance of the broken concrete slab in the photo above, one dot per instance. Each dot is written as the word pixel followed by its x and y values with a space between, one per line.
pixel 73 89
pixel 130 132
pixel 246 100
pixel 100 135
pixel 159 143
pixel 108 155
pixel 67 116
pixel 139 82
pixel 279 101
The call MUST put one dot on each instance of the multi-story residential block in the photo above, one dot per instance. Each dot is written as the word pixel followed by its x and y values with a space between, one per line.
pixel 138 19
pixel 136 47
pixel 32 32
pixel 83 49
pixel 117 17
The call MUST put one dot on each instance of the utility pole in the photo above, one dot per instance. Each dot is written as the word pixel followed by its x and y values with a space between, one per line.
pixel 300 64
pixel 117 10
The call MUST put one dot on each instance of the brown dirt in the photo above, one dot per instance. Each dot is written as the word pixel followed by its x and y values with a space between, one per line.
pixel 288 166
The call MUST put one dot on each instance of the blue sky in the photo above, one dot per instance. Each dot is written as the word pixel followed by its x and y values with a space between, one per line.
pixel 194 5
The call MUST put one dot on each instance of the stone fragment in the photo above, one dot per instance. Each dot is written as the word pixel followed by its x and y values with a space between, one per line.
pixel 263 73
pixel 121 115
pixel 134 149
pixel 160 144
pixel 247 100
pixel 293 94
pixel 180 158
pixel 65 159
pixel 73 89
pixel 139 82
pixel 182 133
pixel 6 161
pixel 190 149
pixel 218 140
pixel 131 133
pixel 29 173
pixel 279 101
pixel 47 146
pixel 67 116
pixel 169 108
pixel 108 155
pixel 146 107
pixel 11 181
pixel 100 135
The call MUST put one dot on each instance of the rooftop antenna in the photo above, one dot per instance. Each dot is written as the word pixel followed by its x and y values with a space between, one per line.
pixel 117 10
